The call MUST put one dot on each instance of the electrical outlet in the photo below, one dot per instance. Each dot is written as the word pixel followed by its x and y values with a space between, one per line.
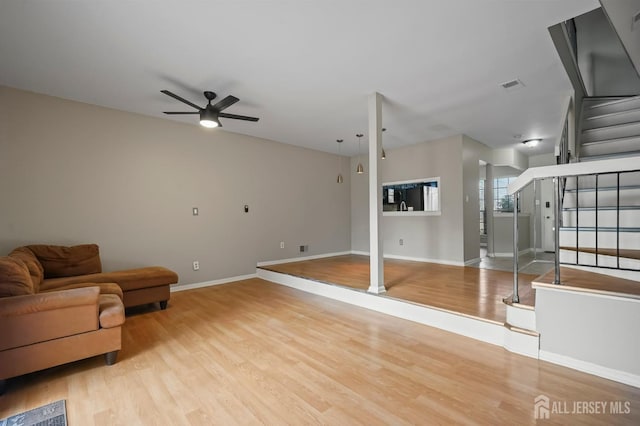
pixel 195 211
pixel 401 242
pixel 304 249
pixel 281 244
pixel 196 265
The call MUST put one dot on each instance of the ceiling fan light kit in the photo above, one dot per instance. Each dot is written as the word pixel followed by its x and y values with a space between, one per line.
pixel 209 119
pixel 210 114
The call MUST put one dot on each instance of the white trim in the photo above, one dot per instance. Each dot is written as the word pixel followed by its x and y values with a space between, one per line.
pixel 182 287
pixel 423 259
pixel 475 328
pixel 604 294
pixel 300 259
pixel 414 259
pixel 510 254
pixel 588 367
pixel 521 317
pixel 521 343
pixel 574 169
pixel 413 213
pixel 400 182
pixel 618 273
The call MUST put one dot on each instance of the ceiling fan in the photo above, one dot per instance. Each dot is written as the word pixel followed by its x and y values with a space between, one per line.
pixel 210 113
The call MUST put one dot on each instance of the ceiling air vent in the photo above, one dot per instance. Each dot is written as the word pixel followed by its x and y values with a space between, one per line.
pixel 512 84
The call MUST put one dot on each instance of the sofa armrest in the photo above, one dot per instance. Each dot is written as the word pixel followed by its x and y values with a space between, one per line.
pixel 40 317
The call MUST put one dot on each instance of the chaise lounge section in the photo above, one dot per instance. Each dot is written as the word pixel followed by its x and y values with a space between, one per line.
pixel 68 267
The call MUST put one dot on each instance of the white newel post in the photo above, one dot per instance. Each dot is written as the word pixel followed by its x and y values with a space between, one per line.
pixel 376 259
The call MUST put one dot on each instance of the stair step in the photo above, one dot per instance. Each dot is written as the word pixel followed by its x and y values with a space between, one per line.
pixel 610 156
pixel 589 209
pixel 605 217
pixel 615 131
pixel 624 102
pixel 611 146
pixel 610 119
pixel 571 257
pixel 604 188
pixel 600 229
pixel 604 180
pixel 626 253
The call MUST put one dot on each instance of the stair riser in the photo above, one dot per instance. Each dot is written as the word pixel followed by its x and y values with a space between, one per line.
pixel 628 197
pixel 608 218
pixel 624 117
pixel 612 147
pixel 628 240
pixel 567 256
pixel 604 133
pixel 592 108
pixel 604 180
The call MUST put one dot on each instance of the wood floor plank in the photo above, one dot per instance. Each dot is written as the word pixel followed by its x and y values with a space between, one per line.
pixel 253 352
pixel 470 291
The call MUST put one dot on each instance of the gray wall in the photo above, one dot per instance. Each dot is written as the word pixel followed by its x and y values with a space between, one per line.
pixel 604 65
pixel 472 152
pixel 596 329
pixel 425 237
pixel 620 13
pixel 503 233
pixel 76 173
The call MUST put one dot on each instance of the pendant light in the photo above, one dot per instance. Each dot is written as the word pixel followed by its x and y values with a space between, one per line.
pixel 359 169
pixel 340 179
pixel 384 154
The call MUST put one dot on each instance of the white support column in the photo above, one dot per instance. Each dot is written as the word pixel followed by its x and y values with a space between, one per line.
pixel 376 256
pixel 488 206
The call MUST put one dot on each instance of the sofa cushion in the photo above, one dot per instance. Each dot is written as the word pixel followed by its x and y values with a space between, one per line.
pixel 61 261
pixel 15 279
pixel 129 279
pixel 105 288
pixel 35 268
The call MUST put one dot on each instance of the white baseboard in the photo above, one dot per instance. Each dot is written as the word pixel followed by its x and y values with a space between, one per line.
pixel 413 259
pixel 588 367
pixel 521 343
pixel 510 254
pixel 175 288
pixel 474 328
pixel 471 261
pixel 521 317
pixel 300 259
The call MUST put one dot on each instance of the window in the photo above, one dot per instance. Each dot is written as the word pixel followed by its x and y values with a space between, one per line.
pixel 502 201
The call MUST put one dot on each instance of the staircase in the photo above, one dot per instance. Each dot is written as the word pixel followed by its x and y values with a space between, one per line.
pixel 610 127
pixel 601 221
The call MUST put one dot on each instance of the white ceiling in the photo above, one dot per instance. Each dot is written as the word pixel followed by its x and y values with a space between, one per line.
pixel 304 67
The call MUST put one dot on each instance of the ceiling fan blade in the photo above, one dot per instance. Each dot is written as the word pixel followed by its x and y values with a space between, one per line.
pixel 181 112
pixel 237 117
pixel 226 103
pixel 174 96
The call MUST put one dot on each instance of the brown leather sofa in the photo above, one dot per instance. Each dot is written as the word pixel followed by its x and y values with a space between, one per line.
pixel 44 328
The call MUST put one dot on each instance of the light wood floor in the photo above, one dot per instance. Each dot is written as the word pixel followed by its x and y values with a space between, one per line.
pixel 470 291
pixel 253 352
pixel 579 279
